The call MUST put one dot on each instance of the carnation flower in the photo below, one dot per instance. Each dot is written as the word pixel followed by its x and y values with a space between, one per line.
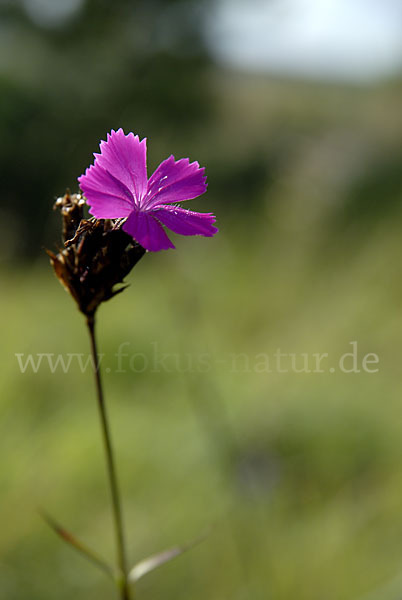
pixel 117 186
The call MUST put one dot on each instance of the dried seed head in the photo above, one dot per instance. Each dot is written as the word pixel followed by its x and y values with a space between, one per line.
pixel 97 255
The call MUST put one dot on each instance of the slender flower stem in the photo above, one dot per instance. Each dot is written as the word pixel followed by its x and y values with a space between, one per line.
pixel 116 504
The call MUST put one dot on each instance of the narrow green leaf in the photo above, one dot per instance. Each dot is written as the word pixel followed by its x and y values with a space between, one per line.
pixel 77 545
pixel 156 560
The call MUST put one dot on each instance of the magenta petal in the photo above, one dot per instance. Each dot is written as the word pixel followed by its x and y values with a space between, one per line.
pixel 125 157
pixel 186 222
pixel 175 181
pixel 107 197
pixel 144 228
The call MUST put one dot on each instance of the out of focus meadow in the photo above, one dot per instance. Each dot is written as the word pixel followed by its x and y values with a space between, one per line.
pixel 296 477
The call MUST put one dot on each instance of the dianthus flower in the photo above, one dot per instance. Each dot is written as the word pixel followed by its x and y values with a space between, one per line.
pixel 117 186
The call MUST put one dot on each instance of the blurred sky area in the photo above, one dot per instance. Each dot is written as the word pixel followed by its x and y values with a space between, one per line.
pixel 329 39
pixel 342 39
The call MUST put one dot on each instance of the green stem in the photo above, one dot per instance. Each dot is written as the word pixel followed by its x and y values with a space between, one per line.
pixel 115 496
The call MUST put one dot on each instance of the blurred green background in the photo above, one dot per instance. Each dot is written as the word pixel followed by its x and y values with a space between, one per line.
pixel 296 476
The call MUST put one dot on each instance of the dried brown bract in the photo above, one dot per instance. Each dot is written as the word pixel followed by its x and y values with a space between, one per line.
pixel 97 255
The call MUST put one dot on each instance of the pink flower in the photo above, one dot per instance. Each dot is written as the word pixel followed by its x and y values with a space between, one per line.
pixel 117 186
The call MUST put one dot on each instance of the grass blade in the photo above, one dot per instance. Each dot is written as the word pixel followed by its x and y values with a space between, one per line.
pixel 77 545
